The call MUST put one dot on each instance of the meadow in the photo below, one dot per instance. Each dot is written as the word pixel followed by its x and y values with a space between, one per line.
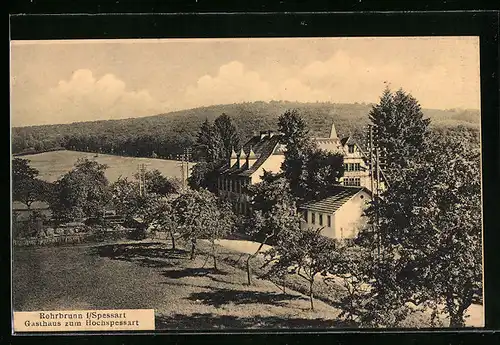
pixel 185 294
pixel 52 165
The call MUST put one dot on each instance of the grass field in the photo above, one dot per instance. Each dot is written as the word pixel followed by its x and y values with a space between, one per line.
pixel 148 274
pixel 56 163
pixel 185 294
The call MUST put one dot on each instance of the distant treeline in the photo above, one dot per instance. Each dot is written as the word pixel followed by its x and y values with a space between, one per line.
pixel 167 135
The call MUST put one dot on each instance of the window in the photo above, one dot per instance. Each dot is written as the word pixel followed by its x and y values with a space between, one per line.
pixel 305 216
pixel 351 148
pixel 329 221
pixel 313 218
pixel 352 181
pixel 320 219
pixel 357 166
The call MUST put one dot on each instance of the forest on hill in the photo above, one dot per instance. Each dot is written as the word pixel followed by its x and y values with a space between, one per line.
pixel 167 135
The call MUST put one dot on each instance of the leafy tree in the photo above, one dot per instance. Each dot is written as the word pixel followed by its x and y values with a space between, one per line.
pixel 400 129
pixel 306 253
pixel 429 226
pixel 158 184
pixel 26 188
pixel 323 171
pixel 227 133
pixel 21 170
pixel 199 214
pixel 297 142
pixel 163 217
pixel 205 142
pixel 273 212
pixel 125 194
pixel 311 172
pixel 82 192
pixel 204 176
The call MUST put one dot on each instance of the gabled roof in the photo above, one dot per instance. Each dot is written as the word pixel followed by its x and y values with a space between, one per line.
pixel 341 194
pixel 262 148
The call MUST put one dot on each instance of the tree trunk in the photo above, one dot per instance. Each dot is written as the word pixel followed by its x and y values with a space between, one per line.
pixel 311 297
pixel 214 254
pixel 193 249
pixel 249 273
pixel 173 239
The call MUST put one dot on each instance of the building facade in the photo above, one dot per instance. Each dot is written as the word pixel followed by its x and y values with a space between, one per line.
pixel 339 216
pixel 264 152
pixel 261 153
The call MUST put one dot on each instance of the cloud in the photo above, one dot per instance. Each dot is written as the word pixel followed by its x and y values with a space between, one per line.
pixel 450 82
pixel 235 83
pixel 86 98
pixel 232 84
pixel 342 78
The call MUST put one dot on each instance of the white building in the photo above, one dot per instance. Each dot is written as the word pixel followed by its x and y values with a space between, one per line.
pixel 340 216
pixel 264 152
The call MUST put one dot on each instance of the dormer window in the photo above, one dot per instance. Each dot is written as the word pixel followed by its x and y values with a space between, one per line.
pixel 350 148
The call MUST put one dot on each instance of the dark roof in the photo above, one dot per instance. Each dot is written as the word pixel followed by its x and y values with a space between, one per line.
pixel 341 194
pixel 347 141
pixel 263 148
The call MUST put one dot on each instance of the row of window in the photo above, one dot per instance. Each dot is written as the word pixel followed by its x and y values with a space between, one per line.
pixel 352 166
pixel 320 219
pixel 352 181
pixel 231 185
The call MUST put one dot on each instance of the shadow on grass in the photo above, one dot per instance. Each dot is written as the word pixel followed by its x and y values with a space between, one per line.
pixel 219 297
pixel 192 272
pixel 146 254
pixel 208 321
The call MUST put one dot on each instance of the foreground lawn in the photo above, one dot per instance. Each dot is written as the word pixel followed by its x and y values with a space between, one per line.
pixel 186 294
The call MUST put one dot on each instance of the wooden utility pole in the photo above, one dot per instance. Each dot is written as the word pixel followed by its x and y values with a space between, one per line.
pixel 377 168
pixel 142 179
pixel 181 165
pixel 370 149
pixel 188 158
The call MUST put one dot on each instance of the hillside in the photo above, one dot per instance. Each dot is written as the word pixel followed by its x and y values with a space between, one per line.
pixel 167 134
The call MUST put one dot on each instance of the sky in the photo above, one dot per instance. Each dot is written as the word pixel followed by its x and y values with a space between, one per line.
pixel 87 80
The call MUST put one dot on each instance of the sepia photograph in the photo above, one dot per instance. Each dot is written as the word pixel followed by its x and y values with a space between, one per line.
pixel 246 183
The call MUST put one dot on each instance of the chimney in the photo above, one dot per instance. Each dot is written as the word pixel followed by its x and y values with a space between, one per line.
pixel 251 158
pixel 234 159
pixel 333 132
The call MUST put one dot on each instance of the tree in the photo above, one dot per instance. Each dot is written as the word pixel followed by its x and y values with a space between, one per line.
pixel 429 225
pixel 297 142
pixel 21 170
pixel 323 171
pixel 400 129
pixel 306 253
pixel 199 214
pixel 311 172
pixel 228 133
pixel 125 194
pixel 273 212
pixel 204 142
pixel 163 217
pixel 26 188
pixel 204 176
pixel 82 192
pixel 158 184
